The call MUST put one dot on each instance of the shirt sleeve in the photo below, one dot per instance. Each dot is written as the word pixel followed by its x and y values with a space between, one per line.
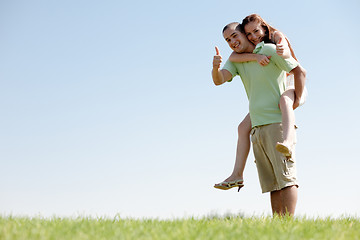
pixel 286 65
pixel 231 68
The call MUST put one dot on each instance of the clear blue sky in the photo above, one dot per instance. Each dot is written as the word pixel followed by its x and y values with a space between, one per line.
pixel 108 107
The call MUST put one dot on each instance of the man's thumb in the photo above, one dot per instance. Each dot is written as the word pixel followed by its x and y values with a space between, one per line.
pixel 217 50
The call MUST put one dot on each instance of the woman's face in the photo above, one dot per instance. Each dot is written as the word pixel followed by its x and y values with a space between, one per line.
pixel 254 32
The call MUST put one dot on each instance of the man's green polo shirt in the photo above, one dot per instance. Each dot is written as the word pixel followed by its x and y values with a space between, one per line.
pixel 263 85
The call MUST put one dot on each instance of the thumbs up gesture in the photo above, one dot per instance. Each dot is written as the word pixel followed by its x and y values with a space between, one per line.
pixel 217 59
pixel 280 48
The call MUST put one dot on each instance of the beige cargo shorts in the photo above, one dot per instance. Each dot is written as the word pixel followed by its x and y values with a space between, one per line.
pixel 274 169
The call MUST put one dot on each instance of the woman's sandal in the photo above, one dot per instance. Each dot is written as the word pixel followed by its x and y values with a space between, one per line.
pixel 284 149
pixel 228 185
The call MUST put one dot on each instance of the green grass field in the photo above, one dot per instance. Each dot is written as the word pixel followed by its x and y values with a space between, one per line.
pixel 205 228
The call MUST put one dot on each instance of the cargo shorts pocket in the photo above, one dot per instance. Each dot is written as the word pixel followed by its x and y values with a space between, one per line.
pixel 288 166
pixel 252 136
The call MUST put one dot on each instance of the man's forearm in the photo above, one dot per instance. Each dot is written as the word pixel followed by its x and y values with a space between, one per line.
pixel 299 81
pixel 217 76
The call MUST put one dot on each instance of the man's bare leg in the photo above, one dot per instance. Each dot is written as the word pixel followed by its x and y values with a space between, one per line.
pixel 284 201
pixel 276 203
pixel 289 197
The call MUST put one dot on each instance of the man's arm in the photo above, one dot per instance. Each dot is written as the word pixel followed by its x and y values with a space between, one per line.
pixel 292 66
pixel 299 81
pixel 219 76
pixel 288 65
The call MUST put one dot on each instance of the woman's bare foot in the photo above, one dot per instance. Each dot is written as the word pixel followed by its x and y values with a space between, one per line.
pixel 233 178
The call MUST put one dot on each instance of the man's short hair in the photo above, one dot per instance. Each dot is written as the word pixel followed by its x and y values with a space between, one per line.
pixel 236 24
pixel 240 28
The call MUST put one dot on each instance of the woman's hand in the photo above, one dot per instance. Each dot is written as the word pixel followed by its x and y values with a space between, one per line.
pixel 262 59
pixel 280 49
pixel 283 50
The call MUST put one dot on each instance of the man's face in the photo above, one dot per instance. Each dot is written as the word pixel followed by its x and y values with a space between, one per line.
pixel 237 41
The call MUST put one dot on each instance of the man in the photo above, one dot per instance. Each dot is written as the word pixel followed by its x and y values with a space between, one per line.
pixel 264 86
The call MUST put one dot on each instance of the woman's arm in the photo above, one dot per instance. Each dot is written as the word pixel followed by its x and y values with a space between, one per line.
pixel 248 57
pixel 282 47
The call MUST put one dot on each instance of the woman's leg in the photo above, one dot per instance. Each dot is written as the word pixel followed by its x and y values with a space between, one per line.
pixel 288 122
pixel 242 149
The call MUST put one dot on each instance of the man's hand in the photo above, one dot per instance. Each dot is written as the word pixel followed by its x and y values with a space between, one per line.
pixel 217 59
pixel 296 103
pixel 262 59
pixel 219 76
